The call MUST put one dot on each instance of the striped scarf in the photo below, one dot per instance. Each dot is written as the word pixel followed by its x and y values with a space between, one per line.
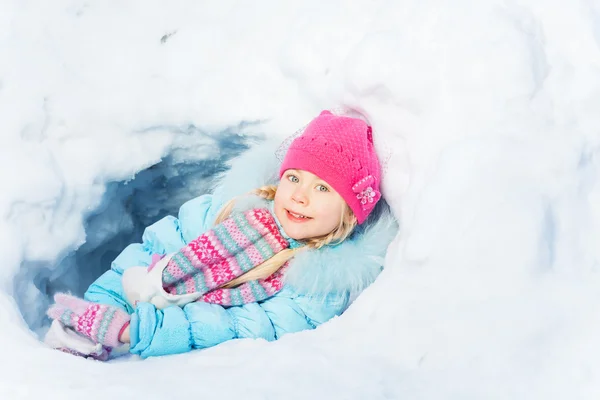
pixel 225 252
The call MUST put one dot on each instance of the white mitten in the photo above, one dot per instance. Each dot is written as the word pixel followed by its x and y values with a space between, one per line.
pixel 144 284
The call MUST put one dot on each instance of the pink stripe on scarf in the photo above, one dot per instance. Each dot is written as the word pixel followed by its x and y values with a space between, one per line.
pixel 190 285
pixel 247 294
pixel 221 273
pixel 255 255
pixel 236 234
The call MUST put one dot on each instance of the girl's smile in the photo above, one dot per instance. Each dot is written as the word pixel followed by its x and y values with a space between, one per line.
pixel 295 217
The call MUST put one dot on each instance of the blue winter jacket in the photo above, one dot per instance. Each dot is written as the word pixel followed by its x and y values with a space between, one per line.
pixel 320 284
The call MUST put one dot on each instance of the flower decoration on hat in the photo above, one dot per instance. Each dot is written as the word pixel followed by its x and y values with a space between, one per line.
pixel 365 193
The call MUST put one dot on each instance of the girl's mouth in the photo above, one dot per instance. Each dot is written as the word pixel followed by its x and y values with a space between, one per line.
pixel 296 217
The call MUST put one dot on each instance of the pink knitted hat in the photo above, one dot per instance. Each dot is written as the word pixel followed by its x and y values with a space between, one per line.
pixel 340 151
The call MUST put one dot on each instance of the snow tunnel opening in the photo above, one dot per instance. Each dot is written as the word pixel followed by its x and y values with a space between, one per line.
pixel 125 210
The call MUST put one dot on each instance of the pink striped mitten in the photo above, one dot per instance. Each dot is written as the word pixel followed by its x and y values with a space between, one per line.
pixel 99 322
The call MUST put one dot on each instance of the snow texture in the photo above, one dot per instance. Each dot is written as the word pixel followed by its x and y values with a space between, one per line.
pixel 112 114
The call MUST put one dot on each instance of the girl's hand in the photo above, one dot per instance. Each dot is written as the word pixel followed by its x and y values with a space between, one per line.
pixel 101 323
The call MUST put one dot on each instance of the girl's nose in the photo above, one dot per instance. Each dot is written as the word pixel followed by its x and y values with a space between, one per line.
pixel 299 196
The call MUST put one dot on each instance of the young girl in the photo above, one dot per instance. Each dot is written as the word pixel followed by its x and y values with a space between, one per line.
pixel 288 258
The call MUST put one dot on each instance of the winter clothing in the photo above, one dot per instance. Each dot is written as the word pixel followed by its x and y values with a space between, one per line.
pixel 339 150
pixel 225 252
pixel 100 322
pixel 318 284
pixel 65 339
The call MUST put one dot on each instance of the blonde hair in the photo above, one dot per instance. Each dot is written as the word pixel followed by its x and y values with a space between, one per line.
pixel 270 266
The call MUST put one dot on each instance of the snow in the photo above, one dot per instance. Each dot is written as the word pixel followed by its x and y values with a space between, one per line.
pixel 114 113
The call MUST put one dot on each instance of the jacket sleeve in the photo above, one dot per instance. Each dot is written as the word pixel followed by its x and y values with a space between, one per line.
pixel 164 236
pixel 200 325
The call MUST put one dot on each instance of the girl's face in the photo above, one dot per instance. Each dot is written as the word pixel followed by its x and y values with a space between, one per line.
pixel 307 206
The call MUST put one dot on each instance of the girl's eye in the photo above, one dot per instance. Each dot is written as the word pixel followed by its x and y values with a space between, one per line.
pixel 293 178
pixel 322 188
